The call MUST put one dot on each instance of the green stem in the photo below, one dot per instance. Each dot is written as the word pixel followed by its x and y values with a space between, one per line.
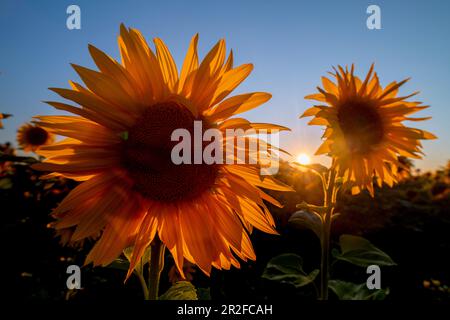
pixel 329 200
pixel 324 263
pixel 144 286
pixel 156 265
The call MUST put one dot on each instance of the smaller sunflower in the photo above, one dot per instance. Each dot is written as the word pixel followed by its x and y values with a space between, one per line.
pixel 364 132
pixel 31 137
pixel 3 116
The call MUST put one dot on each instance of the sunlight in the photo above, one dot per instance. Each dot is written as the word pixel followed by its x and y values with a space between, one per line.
pixel 303 158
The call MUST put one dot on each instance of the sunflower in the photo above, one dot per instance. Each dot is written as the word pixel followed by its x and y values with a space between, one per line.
pixel 119 143
pixel 364 132
pixel 3 116
pixel 32 137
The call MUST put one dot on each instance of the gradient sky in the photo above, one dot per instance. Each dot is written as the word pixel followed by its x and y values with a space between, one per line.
pixel 291 44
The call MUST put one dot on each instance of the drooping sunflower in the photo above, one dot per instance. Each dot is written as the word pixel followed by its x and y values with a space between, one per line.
pixel 119 145
pixel 364 132
pixel 32 137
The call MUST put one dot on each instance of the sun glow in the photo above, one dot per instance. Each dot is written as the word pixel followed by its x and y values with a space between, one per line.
pixel 303 158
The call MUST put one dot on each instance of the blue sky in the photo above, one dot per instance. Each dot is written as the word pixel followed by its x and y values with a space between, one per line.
pixel 291 43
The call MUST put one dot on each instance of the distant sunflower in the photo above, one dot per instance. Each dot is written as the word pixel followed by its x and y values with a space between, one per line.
pixel 364 132
pixel 120 145
pixel 3 116
pixel 32 137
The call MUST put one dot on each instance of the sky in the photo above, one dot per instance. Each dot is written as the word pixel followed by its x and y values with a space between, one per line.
pixel 291 44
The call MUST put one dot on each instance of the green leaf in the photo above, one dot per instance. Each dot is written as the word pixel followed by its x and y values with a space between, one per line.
pixel 352 291
pixel 305 219
pixel 335 252
pixel 119 264
pixel 361 252
pixel 310 207
pixel 181 290
pixel 204 293
pixel 338 182
pixel 128 252
pixel 335 216
pixel 124 135
pixel 288 268
pixel 6 183
pixel 124 264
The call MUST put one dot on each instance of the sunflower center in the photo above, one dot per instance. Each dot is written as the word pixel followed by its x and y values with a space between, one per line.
pixel 147 156
pixel 36 136
pixel 361 124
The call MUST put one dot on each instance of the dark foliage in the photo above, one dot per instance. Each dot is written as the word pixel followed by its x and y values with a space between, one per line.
pixel 410 222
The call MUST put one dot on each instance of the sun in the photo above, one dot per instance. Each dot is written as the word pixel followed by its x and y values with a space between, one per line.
pixel 303 158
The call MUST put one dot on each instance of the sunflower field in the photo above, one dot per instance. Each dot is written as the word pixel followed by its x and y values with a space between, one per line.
pixel 408 222
pixel 221 169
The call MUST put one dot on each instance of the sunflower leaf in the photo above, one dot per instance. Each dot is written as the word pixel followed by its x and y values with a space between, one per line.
pixel 352 291
pixel 288 268
pixel 361 252
pixel 309 220
pixel 139 269
pixel 119 264
pixel 181 290
pixel 306 206
pixel 124 135
pixel 204 293
pixel 6 183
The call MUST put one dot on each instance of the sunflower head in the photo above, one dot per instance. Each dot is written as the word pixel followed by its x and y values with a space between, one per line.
pixel 364 133
pixel 3 116
pixel 119 145
pixel 31 137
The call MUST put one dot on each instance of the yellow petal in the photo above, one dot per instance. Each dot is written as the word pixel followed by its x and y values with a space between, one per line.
pixel 168 66
pixel 237 104
pixel 230 80
pixel 190 63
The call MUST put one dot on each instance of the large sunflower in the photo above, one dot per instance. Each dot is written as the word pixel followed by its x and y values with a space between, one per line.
pixel 119 146
pixel 32 137
pixel 364 132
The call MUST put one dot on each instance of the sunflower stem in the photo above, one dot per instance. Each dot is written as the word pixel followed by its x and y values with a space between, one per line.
pixel 156 265
pixel 144 286
pixel 329 199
